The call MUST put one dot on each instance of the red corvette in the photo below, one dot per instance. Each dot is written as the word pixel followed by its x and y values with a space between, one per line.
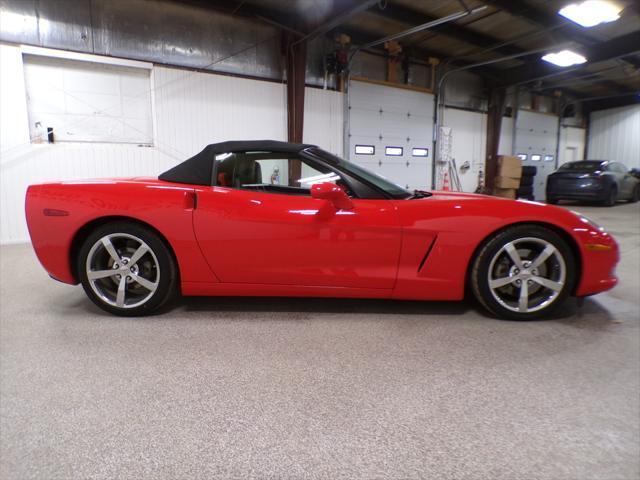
pixel 273 218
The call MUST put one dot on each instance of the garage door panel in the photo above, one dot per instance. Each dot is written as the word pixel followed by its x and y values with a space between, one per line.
pixel 383 116
pixel 536 134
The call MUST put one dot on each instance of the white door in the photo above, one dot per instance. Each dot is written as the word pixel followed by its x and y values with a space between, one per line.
pixel 391 132
pixel 570 154
pixel 536 140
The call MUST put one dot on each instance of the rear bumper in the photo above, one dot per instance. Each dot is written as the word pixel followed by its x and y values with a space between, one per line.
pixel 593 194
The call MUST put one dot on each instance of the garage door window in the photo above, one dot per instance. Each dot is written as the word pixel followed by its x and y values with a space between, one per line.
pixel 420 152
pixel 393 151
pixel 84 101
pixel 365 150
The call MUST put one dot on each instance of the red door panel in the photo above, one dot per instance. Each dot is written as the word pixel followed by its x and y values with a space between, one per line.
pixel 266 238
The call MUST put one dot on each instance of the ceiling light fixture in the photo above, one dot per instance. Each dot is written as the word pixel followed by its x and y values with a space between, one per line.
pixel 565 58
pixel 591 12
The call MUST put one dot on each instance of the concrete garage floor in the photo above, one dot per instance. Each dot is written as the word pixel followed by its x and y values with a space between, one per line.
pixel 280 388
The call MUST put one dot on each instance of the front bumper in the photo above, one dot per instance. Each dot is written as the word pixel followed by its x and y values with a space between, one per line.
pixel 600 255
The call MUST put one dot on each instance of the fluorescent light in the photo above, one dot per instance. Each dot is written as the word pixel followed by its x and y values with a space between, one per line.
pixel 565 58
pixel 591 12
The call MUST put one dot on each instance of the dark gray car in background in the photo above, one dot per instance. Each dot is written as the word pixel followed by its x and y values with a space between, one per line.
pixel 593 181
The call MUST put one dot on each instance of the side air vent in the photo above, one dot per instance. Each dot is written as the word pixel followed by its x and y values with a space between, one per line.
pixel 426 255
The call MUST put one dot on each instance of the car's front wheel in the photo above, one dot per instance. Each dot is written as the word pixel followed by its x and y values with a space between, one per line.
pixel 126 269
pixel 523 272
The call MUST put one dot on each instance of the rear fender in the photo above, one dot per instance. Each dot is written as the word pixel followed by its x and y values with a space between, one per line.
pixel 76 207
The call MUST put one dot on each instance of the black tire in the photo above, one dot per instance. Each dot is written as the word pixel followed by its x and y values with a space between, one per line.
pixel 635 196
pixel 526 181
pixel 494 264
pixel 612 197
pixel 155 268
pixel 529 171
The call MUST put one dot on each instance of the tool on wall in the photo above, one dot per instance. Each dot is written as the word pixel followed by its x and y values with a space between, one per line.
pixel 336 61
pixel 394 60
pixel 481 188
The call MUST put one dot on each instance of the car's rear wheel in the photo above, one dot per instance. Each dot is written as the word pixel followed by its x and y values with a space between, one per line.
pixel 611 197
pixel 126 269
pixel 523 272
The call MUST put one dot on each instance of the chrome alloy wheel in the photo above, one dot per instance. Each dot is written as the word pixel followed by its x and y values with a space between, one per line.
pixel 122 270
pixel 527 274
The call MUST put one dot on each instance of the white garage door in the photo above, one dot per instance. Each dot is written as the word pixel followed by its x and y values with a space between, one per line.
pixel 536 139
pixel 85 101
pixel 391 131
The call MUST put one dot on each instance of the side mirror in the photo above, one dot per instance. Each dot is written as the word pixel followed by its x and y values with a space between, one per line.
pixel 332 193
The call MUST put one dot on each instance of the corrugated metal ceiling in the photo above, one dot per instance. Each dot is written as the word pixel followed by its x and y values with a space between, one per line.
pixel 504 28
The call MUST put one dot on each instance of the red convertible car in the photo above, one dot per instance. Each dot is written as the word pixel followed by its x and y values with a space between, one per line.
pixel 266 218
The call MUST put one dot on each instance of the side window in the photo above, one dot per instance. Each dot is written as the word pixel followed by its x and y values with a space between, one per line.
pixel 615 167
pixel 272 172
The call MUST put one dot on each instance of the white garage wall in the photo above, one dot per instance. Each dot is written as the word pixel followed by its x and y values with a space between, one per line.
pixel 505 146
pixel 191 110
pixel 615 135
pixel 323 119
pixel 195 109
pixel 469 130
pixel 572 143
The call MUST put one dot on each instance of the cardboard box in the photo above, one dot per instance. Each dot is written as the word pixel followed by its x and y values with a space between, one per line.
pixel 505 192
pixel 507 182
pixel 509 166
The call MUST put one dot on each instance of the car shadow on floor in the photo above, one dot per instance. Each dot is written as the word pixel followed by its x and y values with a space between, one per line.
pixel 586 314
pixel 323 305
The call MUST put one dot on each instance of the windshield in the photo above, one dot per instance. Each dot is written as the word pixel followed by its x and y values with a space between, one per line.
pixel 585 166
pixel 395 191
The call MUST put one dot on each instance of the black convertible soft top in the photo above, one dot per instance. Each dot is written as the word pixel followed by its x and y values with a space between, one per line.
pixel 198 170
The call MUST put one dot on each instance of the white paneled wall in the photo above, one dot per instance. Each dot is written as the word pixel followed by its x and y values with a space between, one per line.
pixel 615 135
pixel 41 163
pixel 14 125
pixel 191 110
pixel 323 119
pixel 505 146
pixel 195 109
pixel 572 143
pixel 469 130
